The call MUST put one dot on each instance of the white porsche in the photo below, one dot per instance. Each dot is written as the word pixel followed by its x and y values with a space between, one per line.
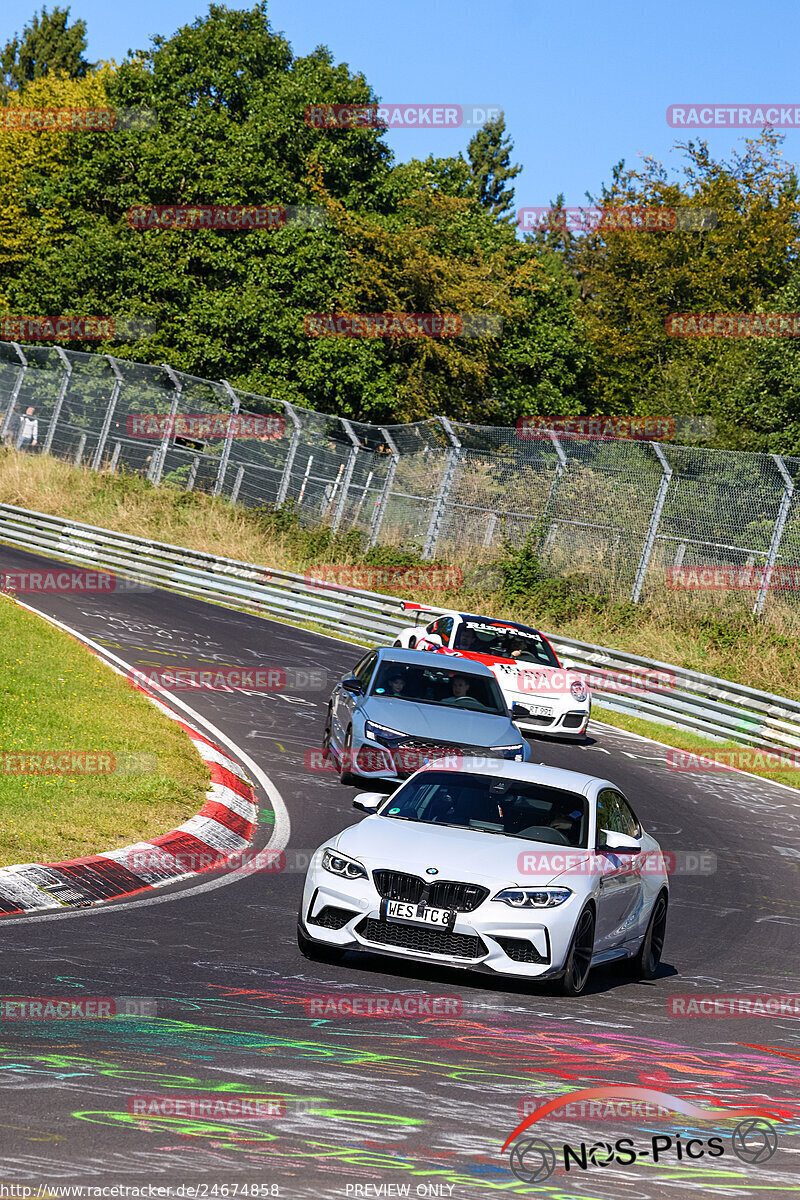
pixel 511 868
pixel 556 698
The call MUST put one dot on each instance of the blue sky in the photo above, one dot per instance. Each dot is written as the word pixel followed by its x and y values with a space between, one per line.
pixel 582 85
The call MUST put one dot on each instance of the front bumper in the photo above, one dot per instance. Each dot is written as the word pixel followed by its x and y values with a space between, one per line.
pixel 568 720
pixel 373 760
pixel 493 938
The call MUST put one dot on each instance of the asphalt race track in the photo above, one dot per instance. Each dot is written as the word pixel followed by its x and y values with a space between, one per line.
pixel 376 1105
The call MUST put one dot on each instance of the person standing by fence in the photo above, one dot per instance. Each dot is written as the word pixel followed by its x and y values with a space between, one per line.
pixel 28 435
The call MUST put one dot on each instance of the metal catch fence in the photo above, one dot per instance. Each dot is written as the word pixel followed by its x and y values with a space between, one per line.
pixel 620 512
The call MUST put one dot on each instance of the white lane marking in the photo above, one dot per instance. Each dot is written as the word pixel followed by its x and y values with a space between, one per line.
pixel 281 828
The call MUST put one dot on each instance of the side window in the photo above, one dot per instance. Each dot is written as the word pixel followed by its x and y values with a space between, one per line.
pixel 444 629
pixel 614 813
pixel 363 671
pixel 630 818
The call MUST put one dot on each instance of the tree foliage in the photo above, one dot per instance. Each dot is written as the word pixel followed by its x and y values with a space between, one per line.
pixel 48 46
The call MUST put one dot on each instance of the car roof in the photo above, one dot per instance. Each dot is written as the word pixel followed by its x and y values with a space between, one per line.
pixel 557 777
pixel 497 621
pixel 424 658
pixel 452 612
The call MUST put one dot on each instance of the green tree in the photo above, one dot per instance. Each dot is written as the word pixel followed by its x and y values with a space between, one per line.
pixel 48 46
pixel 490 162
pixel 630 282
pixel 761 410
pixel 230 99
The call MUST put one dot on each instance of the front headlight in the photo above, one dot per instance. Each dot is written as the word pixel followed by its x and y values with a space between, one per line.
pixel 578 690
pixel 347 868
pixel 512 752
pixel 381 733
pixel 547 897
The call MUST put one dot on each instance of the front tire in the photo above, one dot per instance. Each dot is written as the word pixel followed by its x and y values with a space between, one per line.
pixel 645 964
pixel 579 955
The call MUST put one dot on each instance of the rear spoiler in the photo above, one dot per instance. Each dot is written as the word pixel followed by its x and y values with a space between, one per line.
pixel 417 609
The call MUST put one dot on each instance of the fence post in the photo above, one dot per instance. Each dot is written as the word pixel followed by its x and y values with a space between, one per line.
pixel 286 477
pixel 15 391
pixel 115 457
pixel 159 456
pixel 192 476
pixel 360 504
pixel 777 534
pixel 62 392
pixel 348 474
pixel 219 482
pixel 444 490
pixel 380 509
pixel 655 518
pixel 80 450
pixel 112 404
pixel 237 484
pixel 561 467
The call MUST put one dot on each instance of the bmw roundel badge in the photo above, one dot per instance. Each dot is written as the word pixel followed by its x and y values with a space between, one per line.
pixel 431 871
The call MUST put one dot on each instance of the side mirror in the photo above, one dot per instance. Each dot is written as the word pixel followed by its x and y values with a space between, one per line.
pixel 620 843
pixel 353 685
pixel 569 665
pixel 369 802
pixel 519 710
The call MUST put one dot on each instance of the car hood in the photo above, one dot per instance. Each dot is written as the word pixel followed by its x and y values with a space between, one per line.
pixel 456 726
pixel 465 855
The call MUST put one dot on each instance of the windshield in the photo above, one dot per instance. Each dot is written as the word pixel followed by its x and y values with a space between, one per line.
pixel 525 645
pixel 440 686
pixel 513 807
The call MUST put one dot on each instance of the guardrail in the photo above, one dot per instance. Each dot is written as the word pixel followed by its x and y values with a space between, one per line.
pixel 716 708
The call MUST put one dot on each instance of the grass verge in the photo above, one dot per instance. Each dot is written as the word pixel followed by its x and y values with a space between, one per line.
pixel 57 697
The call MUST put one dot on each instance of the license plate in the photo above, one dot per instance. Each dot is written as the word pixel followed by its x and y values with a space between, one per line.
pixel 539 710
pixel 419 914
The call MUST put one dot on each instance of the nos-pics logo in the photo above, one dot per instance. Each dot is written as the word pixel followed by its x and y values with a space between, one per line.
pixel 754 1139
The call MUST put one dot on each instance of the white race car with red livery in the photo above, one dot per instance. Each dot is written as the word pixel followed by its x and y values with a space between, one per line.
pixel 557 699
